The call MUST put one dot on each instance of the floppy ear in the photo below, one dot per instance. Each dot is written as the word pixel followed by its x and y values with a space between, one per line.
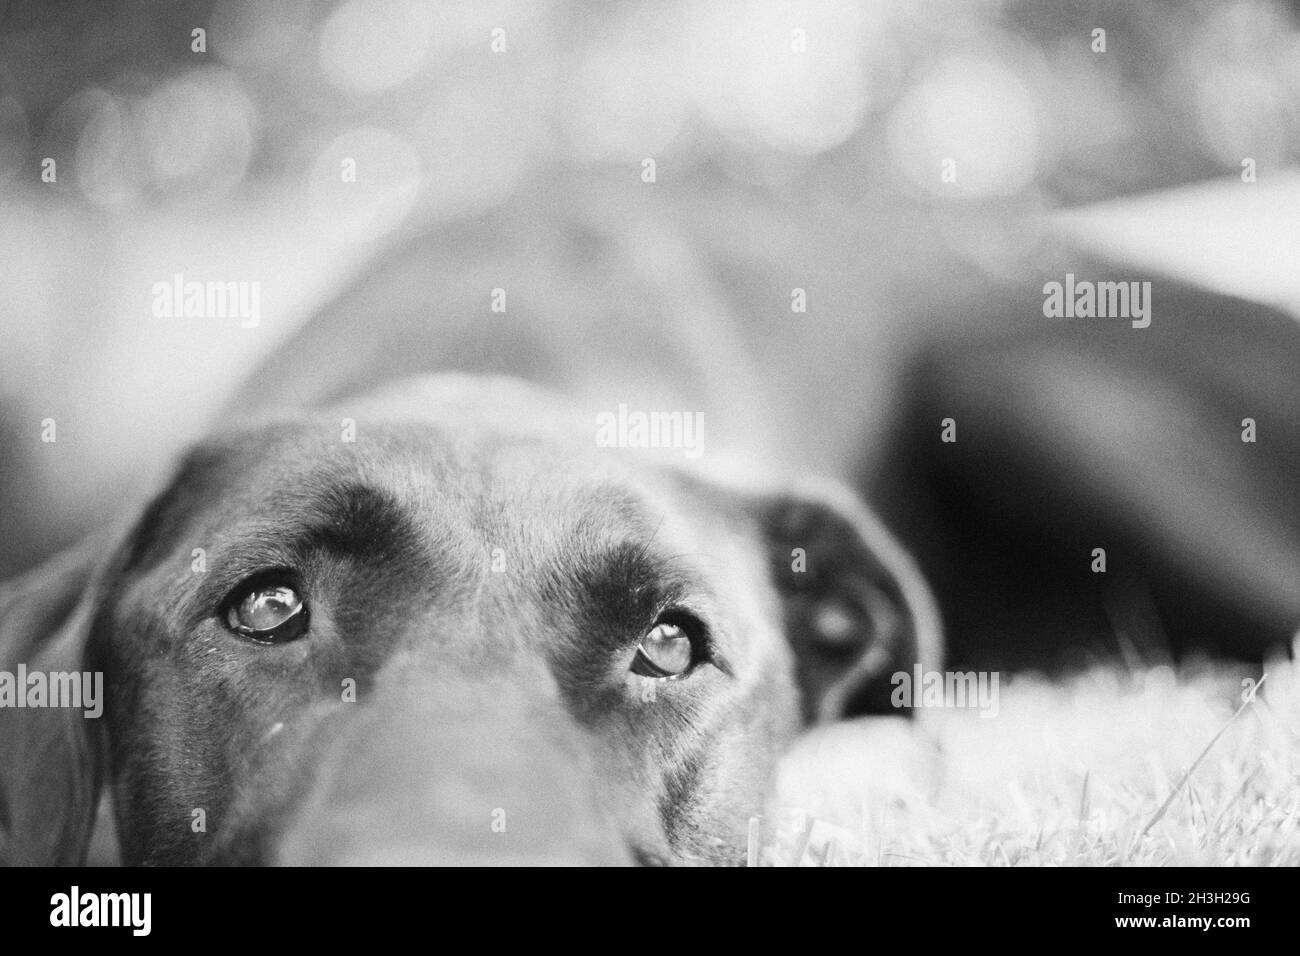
pixel 856 608
pixel 49 756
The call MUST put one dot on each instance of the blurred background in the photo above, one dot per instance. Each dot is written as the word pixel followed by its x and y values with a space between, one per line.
pixel 795 145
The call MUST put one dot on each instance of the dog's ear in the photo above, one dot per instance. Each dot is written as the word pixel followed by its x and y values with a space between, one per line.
pixel 856 608
pixel 49 756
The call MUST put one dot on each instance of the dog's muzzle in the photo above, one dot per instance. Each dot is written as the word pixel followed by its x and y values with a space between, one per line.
pixel 453 769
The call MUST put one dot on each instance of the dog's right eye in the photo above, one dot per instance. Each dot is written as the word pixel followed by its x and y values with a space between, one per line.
pixel 270 612
pixel 671 648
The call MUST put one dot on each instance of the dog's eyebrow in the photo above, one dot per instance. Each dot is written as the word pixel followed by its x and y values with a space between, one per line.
pixel 349 520
pixel 359 521
pixel 621 588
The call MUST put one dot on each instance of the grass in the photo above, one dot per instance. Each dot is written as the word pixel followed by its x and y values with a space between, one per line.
pixel 1110 768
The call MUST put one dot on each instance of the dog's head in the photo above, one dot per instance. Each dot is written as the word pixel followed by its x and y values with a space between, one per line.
pixel 445 630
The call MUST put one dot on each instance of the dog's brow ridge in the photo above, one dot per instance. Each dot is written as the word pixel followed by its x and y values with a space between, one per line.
pixel 362 521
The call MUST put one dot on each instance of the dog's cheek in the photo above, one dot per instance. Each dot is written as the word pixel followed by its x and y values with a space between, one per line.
pixel 725 780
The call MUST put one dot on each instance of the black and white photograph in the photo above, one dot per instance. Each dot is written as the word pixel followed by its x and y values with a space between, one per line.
pixel 747 433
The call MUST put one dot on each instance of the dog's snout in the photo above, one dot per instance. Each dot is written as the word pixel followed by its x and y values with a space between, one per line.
pixel 441 770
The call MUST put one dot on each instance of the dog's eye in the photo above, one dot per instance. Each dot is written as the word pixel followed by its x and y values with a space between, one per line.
pixel 269 612
pixel 665 651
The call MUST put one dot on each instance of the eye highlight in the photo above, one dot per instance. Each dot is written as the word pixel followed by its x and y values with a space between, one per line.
pixel 667 650
pixel 270 612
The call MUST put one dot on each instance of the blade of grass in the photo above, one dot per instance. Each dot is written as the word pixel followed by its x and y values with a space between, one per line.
pixel 1159 814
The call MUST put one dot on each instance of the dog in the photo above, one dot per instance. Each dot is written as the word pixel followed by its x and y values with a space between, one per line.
pixel 441 546
pixel 438 623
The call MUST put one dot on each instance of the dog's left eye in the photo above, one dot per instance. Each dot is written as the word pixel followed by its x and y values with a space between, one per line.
pixel 268 612
pixel 666 651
